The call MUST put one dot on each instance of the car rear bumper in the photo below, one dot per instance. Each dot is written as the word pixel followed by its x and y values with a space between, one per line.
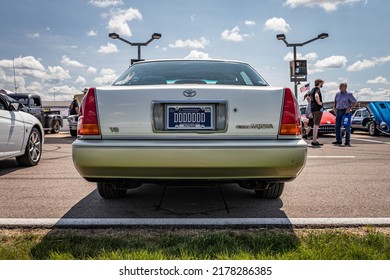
pixel 227 160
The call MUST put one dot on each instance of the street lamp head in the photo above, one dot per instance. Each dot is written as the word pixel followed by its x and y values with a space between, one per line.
pixel 156 36
pixel 113 36
pixel 281 37
pixel 323 36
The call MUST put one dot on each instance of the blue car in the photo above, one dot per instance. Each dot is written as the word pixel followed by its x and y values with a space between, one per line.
pixel 381 117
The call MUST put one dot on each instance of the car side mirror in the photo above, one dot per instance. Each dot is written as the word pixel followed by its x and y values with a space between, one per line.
pixel 16 106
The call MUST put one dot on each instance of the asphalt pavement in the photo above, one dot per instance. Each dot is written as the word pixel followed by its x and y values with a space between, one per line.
pixel 342 183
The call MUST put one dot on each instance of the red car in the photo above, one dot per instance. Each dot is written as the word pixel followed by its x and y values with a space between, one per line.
pixel 328 122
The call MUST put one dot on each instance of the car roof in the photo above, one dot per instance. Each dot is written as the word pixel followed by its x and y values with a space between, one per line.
pixel 24 95
pixel 191 60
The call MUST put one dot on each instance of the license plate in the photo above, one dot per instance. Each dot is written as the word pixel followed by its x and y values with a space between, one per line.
pixel 190 117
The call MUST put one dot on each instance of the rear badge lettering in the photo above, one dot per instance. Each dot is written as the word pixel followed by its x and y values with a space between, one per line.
pixel 114 129
pixel 255 126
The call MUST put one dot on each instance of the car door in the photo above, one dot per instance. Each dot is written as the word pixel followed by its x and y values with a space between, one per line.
pixel 365 115
pixel 11 131
pixel 357 120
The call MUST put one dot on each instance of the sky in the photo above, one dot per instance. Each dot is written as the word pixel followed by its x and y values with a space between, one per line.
pixel 57 48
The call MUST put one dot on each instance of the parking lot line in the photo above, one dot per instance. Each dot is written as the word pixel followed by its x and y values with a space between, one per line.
pixel 372 141
pixel 332 157
pixel 82 223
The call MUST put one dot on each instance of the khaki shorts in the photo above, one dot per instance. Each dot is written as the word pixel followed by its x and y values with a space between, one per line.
pixel 317 115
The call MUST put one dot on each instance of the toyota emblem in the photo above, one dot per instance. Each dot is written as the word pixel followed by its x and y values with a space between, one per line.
pixel 189 93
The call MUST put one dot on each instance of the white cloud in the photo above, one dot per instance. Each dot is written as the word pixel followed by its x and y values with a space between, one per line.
pixel 379 80
pixel 232 35
pixel 71 63
pixel 56 74
pixel 107 76
pixel 105 3
pixel 91 70
pixel 309 56
pixel 33 35
pixel 367 63
pixel 277 25
pixel 333 86
pixel 8 82
pixel 62 93
pixel 34 87
pixel 250 23
pixel 109 48
pixel 120 18
pixel 368 94
pixel 194 44
pixel 193 17
pixel 382 59
pixel 26 62
pixel 197 55
pixel 248 35
pixel 327 5
pixel 360 65
pixel 334 61
pixel 26 66
pixel 80 80
pixel 92 33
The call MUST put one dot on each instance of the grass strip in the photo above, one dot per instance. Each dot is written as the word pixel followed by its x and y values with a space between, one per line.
pixel 191 244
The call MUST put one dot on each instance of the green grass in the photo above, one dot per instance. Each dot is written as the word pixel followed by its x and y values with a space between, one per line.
pixel 330 244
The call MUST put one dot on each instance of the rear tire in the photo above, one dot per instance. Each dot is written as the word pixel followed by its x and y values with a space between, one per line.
pixel 372 130
pixel 73 132
pixel 33 150
pixel 273 191
pixel 109 190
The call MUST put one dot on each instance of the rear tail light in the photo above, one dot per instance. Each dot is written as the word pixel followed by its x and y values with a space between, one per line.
pixel 158 116
pixel 88 121
pixel 290 123
pixel 221 114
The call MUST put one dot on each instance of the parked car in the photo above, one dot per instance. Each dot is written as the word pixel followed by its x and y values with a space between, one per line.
pixel 73 119
pixel 380 112
pixel 51 121
pixel 21 134
pixel 360 120
pixel 193 121
pixel 327 125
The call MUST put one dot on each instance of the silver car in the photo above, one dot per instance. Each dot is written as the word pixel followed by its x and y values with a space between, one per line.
pixel 21 134
pixel 189 121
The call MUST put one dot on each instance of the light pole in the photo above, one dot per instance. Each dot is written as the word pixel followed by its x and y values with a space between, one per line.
pixel 155 36
pixel 282 37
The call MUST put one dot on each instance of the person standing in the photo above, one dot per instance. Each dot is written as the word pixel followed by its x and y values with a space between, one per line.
pixel 344 101
pixel 316 109
pixel 309 116
pixel 74 107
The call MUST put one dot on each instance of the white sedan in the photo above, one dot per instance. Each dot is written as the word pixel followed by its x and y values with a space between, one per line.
pixel 21 134
pixel 197 121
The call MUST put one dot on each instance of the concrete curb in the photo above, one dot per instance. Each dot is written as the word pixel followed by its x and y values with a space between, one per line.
pixel 207 222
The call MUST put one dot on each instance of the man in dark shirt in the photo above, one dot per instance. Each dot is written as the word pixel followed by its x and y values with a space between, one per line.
pixel 343 103
pixel 316 109
pixel 74 107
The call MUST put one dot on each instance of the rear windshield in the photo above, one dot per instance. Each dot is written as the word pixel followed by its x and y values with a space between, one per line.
pixel 190 72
